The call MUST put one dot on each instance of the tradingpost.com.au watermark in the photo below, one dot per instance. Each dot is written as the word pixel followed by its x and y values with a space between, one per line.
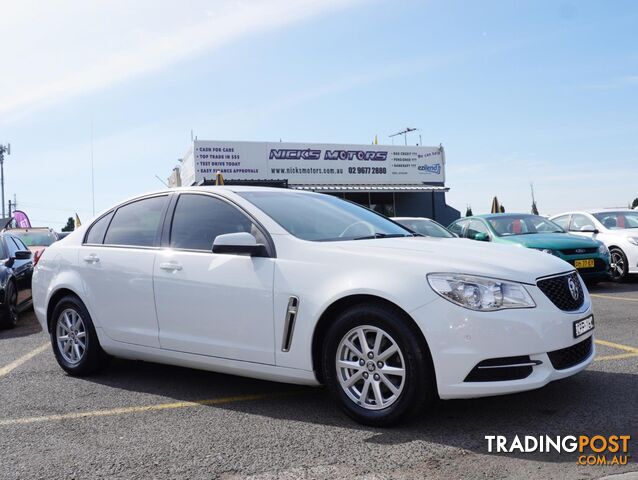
pixel 590 449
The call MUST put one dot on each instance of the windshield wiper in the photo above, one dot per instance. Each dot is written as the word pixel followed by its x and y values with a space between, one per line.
pixel 383 235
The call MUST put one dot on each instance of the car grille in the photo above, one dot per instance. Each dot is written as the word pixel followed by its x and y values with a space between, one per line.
pixel 557 290
pixel 578 251
pixel 571 356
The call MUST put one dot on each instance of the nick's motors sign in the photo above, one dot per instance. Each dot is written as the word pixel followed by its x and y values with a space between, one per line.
pixel 314 163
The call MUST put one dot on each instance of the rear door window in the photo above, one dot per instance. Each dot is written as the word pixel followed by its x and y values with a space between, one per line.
pixel 137 224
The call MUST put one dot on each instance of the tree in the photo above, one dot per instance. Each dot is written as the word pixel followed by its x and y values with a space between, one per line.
pixel 468 212
pixel 634 204
pixel 70 225
pixel 502 209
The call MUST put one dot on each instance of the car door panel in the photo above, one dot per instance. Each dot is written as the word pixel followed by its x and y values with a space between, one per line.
pixel 213 304
pixel 118 285
pixel 208 303
pixel 116 264
pixel 22 269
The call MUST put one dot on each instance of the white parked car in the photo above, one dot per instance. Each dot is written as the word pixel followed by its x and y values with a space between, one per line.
pixel 616 228
pixel 307 288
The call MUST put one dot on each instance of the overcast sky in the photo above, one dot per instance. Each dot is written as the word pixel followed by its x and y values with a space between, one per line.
pixel 516 91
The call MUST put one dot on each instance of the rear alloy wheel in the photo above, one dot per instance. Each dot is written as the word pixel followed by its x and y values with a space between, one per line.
pixel 10 314
pixel 619 271
pixel 75 343
pixel 375 366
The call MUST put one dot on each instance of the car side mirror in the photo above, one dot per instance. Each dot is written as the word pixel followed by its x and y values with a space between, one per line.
pixel 589 230
pixel 22 255
pixel 241 243
pixel 481 237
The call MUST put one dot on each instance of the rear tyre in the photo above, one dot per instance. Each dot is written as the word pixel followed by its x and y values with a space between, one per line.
pixel 619 266
pixel 375 367
pixel 9 318
pixel 73 338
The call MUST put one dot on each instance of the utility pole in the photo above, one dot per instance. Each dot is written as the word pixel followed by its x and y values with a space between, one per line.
pixel 3 149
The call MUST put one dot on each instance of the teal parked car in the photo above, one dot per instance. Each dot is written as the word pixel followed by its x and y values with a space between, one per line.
pixel 589 256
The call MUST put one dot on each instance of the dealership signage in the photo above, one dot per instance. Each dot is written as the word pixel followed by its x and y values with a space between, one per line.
pixel 313 163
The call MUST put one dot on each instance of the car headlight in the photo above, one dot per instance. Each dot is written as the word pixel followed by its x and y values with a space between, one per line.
pixel 603 250
pixel 633 240
pixel 480 293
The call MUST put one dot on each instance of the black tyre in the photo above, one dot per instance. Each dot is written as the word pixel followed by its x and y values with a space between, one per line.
pixel 619 266
pixel 9 317
pixel 375 366
pixel 73 338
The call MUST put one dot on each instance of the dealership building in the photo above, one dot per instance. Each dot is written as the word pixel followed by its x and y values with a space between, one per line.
pixel 401 181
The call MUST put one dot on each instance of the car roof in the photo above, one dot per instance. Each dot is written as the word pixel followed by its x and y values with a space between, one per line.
pixel 412 218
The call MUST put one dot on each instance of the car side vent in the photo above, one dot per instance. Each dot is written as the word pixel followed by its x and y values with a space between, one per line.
pixel 289 324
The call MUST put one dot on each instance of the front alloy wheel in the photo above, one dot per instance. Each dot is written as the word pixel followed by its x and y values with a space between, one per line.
pixel 618 265
pixel 370 367
pixel 377 365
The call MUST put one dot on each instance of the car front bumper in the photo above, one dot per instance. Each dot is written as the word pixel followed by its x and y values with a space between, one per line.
pixel 460 339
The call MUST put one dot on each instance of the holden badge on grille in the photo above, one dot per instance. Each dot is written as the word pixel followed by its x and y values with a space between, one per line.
pixel 573 288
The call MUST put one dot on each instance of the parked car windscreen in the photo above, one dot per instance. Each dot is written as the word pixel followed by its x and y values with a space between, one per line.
pixel 618 220
pixel 522 225
pixel 323 218
pixel 425 227
pixel 36 239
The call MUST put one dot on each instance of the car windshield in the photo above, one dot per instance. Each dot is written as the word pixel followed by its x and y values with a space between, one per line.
pixel 507 225
pixel 36 239
pixel 618 220
pixel 425 227
pixel 323 218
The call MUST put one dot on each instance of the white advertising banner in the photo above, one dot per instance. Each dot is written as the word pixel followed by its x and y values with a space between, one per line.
pixel 313 163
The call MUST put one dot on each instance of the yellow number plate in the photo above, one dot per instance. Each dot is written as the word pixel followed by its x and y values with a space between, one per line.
pixel 587 263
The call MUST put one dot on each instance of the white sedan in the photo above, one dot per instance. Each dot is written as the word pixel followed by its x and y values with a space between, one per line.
pixel 616 228
pixel 307 288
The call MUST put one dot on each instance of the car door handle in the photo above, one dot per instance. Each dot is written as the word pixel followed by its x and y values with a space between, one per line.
pixel 170 266
pixel 93 258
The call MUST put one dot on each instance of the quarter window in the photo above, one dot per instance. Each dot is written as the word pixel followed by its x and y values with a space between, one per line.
pixel 199 219
pixel 137 223
pixel 97 231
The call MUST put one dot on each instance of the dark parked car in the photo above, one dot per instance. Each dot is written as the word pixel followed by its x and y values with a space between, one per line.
pixel 16 270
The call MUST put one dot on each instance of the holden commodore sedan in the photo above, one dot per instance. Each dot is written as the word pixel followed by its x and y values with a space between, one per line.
pixel 306 288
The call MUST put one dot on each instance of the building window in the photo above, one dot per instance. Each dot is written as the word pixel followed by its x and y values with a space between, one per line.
pixel 383 203
pixel 358 197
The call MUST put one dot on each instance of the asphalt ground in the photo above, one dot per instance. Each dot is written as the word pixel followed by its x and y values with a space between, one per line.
pixel 142 420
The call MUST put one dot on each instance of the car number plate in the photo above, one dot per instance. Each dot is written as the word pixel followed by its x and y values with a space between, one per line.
pixel 587 263
pixel 581 327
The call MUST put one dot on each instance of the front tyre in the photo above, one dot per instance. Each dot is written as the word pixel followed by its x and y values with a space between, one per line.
pixel 619 265
pixel 375 366
pixel 73 338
